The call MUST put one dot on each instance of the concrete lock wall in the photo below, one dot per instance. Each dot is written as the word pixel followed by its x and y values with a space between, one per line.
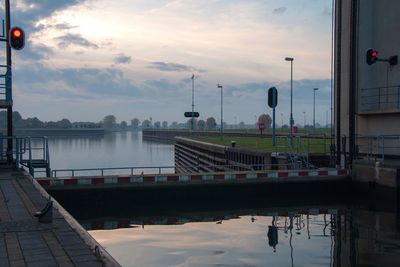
pixel 376 87
pixel 378 84
pixel 195 156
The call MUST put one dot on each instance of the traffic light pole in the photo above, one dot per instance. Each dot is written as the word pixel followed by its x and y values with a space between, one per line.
pixel 9 85
pixel 192 124
pixel 273 128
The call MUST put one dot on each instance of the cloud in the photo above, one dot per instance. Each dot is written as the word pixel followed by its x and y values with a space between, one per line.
pixel 279 10
pixel 166 66
pixel 74 39
pixel 74 83
pixel 64 26
pixel 59 26
pixel 36 52
pixel 27 12
pixel 122 59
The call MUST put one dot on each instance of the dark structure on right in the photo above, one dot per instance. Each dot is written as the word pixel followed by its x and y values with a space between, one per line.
pixel 367 90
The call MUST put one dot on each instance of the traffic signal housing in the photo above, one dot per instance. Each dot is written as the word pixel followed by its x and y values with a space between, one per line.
pixel 17 38
pixel 372 56
pixel 272 97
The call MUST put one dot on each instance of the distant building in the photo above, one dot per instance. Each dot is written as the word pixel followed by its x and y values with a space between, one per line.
pixel 367 97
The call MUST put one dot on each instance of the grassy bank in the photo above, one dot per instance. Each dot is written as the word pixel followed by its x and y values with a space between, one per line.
pixel 265 143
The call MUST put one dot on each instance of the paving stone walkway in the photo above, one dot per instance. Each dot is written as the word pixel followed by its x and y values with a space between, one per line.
pixel 26 242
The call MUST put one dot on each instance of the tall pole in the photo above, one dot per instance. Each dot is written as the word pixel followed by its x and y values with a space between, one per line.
pixel 326 125
pixel 291 98
pixel 9 86
pixel 291 95
pixel 222 121
pixel 304 113
pixel 315 89
pixel 192 104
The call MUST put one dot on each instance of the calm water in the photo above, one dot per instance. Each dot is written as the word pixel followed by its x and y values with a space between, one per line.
pixel 345 237
pixel 120 149
pixel 299 235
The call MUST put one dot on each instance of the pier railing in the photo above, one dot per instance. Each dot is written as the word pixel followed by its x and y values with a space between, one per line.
pixel 147 170
pixel 29 152
pixel 378 147
pixel 5 86
pixel 380 99
pixel 19 147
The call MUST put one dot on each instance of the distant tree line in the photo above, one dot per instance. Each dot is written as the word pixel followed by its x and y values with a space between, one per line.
pixel 34 122
pixel 109 123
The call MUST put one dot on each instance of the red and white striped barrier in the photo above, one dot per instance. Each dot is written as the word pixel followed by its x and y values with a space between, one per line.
pixel 188 178
pixel 129 223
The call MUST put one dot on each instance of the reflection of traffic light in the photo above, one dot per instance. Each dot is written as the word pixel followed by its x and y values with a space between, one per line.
pixel 17 38
pixel 272 237
pixel 372 56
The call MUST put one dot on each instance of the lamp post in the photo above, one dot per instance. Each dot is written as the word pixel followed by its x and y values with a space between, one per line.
pixel 304 113
pixel 222 125
pixel 315 89
pixel 192 124
pixel 290 59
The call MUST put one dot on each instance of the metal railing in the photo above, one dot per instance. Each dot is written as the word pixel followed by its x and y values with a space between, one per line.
pixel 5 83
pixel 29 152
pixel 148 170
pixel 19 147
pixel 379 99
pixel 378 147
pixel 294 149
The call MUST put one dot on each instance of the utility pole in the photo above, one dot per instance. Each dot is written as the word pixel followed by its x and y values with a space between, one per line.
pixel 315 89
pixel 192 103
pixel 222 121
pixel 9 86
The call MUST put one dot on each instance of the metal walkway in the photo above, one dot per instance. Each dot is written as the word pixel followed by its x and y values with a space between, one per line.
pixel 26 242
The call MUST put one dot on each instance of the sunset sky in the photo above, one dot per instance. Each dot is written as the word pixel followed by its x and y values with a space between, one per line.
pixel 85 59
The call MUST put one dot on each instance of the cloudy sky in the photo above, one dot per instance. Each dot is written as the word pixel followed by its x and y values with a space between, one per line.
pixel 85 59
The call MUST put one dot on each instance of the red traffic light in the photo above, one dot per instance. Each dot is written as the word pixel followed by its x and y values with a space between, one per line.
pixel 372 56
pixel 17 38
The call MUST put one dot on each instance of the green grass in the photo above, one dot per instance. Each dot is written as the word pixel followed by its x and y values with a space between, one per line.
pixel 265 143
pixel 320 131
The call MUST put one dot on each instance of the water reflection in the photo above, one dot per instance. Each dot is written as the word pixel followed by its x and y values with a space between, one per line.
pixel 119 149
pixel 329 236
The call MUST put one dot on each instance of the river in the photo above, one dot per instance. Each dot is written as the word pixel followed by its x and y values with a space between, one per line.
pixel 112 150
pixel 324 232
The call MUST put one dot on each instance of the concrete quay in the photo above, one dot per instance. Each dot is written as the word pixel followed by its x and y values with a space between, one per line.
pixel 24 241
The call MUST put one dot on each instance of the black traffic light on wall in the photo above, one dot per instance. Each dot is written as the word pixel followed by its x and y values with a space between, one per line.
pixel 372 56
pixel 17 38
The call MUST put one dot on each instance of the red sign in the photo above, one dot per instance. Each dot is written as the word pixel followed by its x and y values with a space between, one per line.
pixel 261 126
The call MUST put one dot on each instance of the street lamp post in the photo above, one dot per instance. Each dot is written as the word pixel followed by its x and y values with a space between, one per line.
pixel 315 89
pixel 304 113
pixel 290 59
pixel 222 125
pixel 192 124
